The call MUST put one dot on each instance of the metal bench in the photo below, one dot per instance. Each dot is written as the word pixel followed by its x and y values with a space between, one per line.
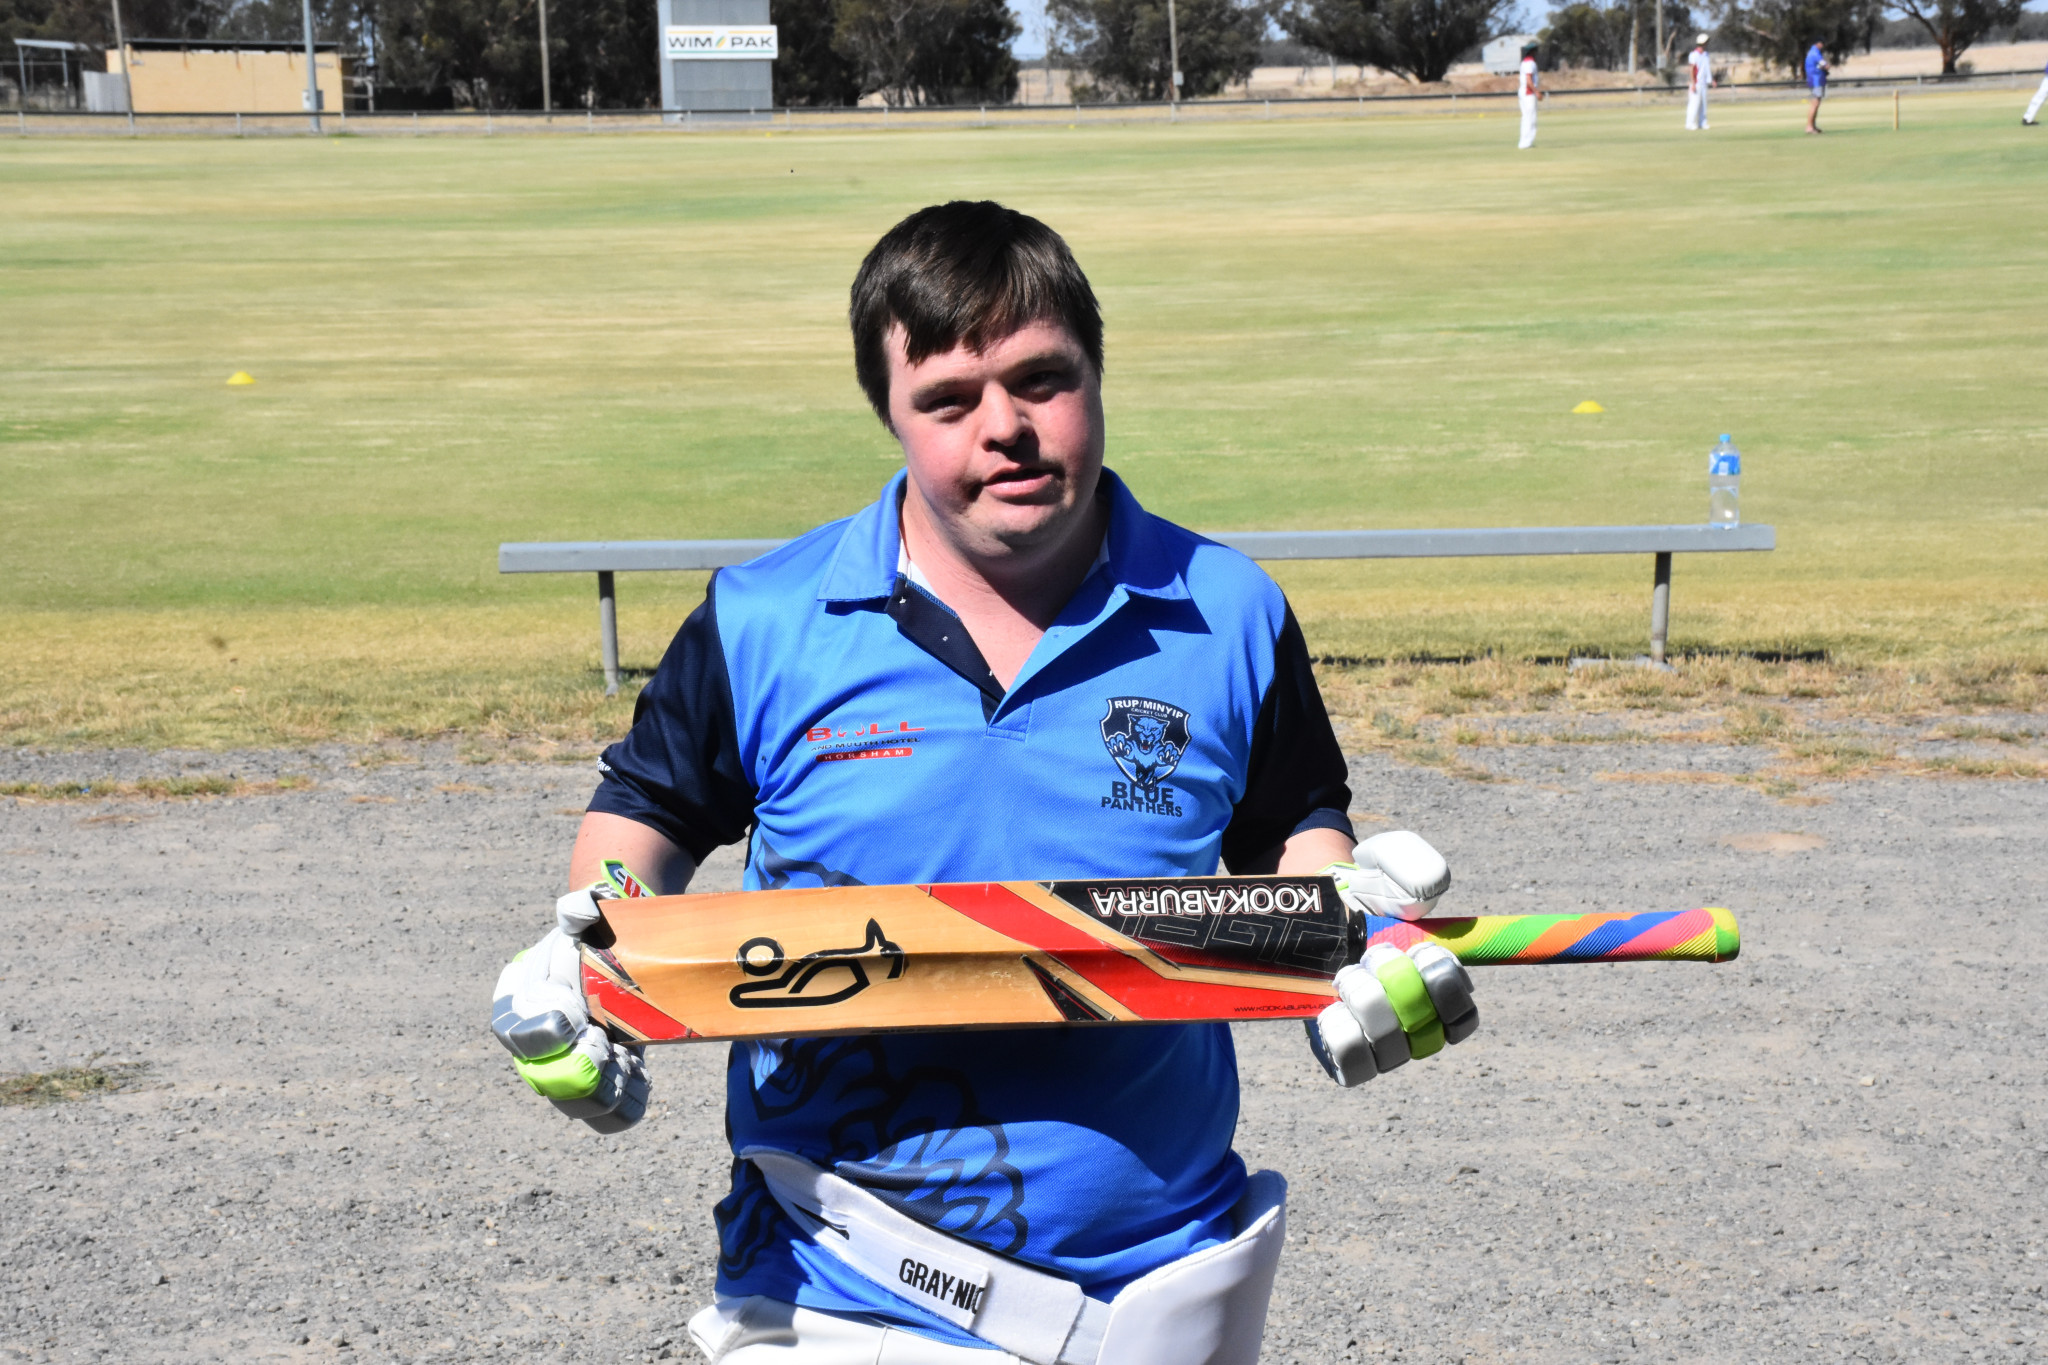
pixel 608 557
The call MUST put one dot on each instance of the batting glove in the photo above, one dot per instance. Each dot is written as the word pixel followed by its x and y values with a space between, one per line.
pixel 1393 1007
pixel 539 1014
pixel 1396 875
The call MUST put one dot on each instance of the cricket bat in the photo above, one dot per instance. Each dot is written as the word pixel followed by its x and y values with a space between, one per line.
pixel 868 959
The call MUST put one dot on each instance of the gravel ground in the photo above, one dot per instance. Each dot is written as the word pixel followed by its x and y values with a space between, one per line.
pixel 1829 1150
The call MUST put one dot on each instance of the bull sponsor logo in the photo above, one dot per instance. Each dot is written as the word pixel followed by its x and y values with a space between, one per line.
pixel 861 739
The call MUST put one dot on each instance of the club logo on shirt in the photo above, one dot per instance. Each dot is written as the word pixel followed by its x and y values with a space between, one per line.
pixel 1146 740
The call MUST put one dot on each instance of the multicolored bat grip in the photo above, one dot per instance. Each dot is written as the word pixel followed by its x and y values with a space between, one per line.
pixel 1707 935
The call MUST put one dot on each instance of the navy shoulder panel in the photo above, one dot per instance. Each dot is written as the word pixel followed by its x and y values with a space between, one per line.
pixel 1297 778
pixel 679 769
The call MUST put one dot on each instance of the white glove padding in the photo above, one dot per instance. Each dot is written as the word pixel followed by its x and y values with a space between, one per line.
pixel 1391 1008
pixel 578 910
pixel 538 1007
pixel 1396 875
pixel 538 1012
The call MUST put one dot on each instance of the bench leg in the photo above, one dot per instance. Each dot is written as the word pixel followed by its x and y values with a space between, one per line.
pixel 1660 607
pixel 608 630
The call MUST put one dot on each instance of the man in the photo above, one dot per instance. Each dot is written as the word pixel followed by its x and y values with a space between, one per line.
pixel 1816 85
pixel 1526 94
pixel 2034 105
pixel 1702 66
pixel 1041 680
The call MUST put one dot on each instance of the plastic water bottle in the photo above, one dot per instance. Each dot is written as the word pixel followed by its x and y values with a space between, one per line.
pixel 1724 484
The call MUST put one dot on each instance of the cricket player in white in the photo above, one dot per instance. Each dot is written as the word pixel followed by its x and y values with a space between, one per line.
pixel 1527 94
pixel 2034 107
pixel 1702 81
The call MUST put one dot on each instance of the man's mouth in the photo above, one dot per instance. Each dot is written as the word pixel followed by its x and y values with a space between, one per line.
pixel 1028 479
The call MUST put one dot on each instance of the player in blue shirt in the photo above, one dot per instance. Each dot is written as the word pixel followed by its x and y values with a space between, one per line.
pixel 1816 85
pixel 1003 668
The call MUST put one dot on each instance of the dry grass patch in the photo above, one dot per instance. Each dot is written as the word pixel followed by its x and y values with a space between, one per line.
pixel 1527 737
pixel 1835 756
pixel 1675 777
pixel 1973 767
pixel 493 676
pixel 1996 733
pixel 1752 694
pixel 1823 720
pixel 152 788
pixel 39 1088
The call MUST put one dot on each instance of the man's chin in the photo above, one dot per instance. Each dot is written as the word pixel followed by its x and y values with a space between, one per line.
pixel 1022 526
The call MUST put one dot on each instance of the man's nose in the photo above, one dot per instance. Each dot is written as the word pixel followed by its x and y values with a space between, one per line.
pixel 1003 421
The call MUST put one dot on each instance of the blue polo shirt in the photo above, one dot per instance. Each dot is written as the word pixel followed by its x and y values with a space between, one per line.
pixel 1816 73
pixel 834 714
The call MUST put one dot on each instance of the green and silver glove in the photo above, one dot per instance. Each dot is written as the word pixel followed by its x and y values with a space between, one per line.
pixel 1394 1006
pixel 539 1014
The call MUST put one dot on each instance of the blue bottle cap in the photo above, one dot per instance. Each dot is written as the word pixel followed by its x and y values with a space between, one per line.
pixel 1726 437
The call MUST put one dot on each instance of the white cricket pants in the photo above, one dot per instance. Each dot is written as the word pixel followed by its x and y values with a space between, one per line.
pixel 1528 120
pixel 764 1331
pixel 1696 109
pixel 2039 95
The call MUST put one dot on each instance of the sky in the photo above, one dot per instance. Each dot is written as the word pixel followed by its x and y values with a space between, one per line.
pixel 1030 44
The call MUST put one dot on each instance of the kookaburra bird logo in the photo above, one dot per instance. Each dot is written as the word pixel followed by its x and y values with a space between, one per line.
pixel 826 977
pixel 1145 738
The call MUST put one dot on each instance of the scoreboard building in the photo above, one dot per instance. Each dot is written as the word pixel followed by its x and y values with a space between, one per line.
pixel 716 55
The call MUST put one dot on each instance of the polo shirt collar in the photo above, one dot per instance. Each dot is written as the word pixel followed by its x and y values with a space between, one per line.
pixel 864 567
pixel 1139 559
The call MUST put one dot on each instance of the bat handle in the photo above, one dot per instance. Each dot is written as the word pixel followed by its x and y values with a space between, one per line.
pixel 1708 934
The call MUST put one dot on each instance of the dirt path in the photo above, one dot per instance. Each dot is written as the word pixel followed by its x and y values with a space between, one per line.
pixel 1830 1150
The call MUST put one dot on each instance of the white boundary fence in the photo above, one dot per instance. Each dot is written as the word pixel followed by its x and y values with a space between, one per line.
pixel 468 123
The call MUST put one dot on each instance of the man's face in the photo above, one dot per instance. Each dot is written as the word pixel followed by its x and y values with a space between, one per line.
pixel 1004 446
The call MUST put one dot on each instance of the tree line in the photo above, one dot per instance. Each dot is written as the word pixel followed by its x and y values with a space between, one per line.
pixel 486 53
pixel 1614 35
pixel 601 53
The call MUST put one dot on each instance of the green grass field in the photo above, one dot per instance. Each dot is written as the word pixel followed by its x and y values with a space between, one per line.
pixel 1351 323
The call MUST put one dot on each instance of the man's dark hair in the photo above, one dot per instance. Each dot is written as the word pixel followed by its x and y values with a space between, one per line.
pixel 970 272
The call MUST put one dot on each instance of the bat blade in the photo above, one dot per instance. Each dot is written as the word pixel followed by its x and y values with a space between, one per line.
pixel 862 959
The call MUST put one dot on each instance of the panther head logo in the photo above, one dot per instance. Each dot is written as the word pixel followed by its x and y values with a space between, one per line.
pixel 1146 739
